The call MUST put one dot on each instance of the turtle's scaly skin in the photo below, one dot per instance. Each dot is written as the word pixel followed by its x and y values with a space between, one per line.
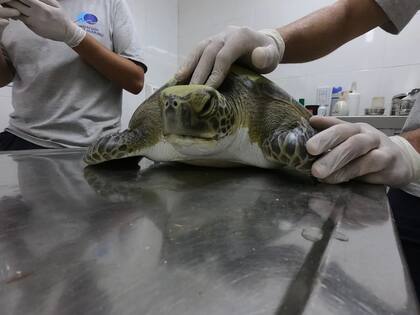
pixel 249 120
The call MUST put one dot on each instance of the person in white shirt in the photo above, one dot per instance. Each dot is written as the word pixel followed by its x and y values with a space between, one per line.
pixel 69 62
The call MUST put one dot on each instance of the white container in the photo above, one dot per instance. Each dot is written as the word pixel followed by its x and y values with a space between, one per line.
pixel 353 100
pixel 335 97
pixel 323 110
pixel 378 102
pixel 341 107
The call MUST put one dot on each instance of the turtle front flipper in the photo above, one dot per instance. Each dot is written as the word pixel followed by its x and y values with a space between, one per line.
pixel 117 146
pixel 287 146
pixel 145 130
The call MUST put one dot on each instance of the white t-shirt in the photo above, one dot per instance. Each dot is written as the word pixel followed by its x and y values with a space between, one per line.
pixel 58 99
pixel 412 123
pixel 400 12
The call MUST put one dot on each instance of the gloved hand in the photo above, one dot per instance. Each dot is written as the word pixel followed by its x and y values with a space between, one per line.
pixel 47 19
pixel 211 60
pixel 6 14
pixel 347 151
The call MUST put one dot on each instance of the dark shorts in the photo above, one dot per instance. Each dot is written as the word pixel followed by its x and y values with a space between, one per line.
pixel 10 142
pixel 406 210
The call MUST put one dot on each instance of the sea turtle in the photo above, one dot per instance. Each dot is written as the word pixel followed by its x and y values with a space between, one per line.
pixel 249 120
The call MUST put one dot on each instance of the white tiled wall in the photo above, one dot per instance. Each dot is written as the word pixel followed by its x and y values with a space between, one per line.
pixel 157 24
pixel 382 64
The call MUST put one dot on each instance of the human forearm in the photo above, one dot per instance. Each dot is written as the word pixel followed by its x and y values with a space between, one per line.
pixel 60 27
pixel 413 137
pixel 323 31
pixel 6 75
pixel 123 72
pixel 346 151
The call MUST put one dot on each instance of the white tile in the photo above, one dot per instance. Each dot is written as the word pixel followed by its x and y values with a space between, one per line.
pixel 162 25
pixel 400 80
pixel 275 13
pixel 297 87
pixel 370 83
pixel 218 12
pixel 404 49
pixel 130 104
pixel 6 92
pixel 157 23
pixel 199 20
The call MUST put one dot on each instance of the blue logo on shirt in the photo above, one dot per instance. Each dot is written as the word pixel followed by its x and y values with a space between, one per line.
pixel 88 18
pixel 87 22
pixel 91 19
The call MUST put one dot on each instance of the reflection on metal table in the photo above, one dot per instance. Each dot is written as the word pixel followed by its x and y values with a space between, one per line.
pixel 174 239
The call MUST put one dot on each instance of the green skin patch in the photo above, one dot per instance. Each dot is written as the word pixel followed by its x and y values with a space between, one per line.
pixel 178 119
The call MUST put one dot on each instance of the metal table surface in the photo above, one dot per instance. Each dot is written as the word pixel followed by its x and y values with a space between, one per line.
pixel 172 239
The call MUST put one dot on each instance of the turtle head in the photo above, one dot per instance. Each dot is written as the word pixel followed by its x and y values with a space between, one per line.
pixel 197 115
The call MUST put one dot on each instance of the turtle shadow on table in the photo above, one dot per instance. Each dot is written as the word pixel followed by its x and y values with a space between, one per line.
pixel 214 190
pixel 238 222
pixel 211 221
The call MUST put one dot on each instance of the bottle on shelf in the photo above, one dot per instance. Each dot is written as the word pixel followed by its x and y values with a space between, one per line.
pixel 341 107
pixel 353 100
pixel 335 96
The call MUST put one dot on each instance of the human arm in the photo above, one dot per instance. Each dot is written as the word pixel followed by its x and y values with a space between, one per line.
pixel 352 151
pixel 413 137
pixel 124 72
pixel 348 151
pixel 6 73
pixel 325 30
pixel 345 151
pixel 306 39
pixel 47 19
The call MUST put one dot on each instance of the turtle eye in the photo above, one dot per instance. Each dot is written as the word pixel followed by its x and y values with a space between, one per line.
pixel 207 107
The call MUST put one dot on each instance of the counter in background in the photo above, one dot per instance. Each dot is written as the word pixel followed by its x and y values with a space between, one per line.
pixel 390 125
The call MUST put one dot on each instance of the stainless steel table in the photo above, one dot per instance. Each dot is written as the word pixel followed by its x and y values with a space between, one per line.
pixel 173 239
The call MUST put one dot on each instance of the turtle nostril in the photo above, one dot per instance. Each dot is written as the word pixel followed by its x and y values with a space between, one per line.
pixel 175 103
pixel 167 104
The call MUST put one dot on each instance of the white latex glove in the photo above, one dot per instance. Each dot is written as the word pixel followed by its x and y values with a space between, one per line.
pixel 6 14
pixel 47 19
pixel 349 151
pixel 211 60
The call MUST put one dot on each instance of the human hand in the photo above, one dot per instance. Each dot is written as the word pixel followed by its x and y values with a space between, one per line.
pixel 6 14
pixel 210 61
pixel 47 19
pixel 347 151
